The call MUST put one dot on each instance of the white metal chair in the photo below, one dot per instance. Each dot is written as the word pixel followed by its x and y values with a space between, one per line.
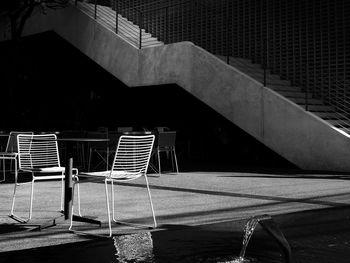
pixel 38 155
pixel 166 143
pixel 11 153
pixel 130 162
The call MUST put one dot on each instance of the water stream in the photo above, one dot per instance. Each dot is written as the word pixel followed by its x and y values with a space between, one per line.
pixel 247 234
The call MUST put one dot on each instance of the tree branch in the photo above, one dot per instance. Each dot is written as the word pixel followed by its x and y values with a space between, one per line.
pixel 25 17
pixel 20 10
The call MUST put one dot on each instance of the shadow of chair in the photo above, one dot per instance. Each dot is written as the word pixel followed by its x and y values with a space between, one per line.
pixel 130 162
pixel 38 155
pixel 11 153
pixel 165 143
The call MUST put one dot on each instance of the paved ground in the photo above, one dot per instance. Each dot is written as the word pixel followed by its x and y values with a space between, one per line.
pixel 191 199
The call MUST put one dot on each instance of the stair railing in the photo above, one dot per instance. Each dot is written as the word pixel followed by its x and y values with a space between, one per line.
pixel 334 93
pixel 243 29
pixel 158 18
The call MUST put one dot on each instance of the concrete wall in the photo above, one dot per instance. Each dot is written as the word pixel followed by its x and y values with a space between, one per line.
pixel 299 136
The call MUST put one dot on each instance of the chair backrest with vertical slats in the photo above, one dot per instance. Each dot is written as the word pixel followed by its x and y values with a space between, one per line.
pixel 38 151
pixel 133 154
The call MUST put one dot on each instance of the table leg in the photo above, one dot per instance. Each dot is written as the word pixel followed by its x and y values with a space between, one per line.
pixel 68 190
pixel 68 185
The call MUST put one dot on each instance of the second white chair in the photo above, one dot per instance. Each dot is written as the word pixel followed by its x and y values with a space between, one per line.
pixel 131 160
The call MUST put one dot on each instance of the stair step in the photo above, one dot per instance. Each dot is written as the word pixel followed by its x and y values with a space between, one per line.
pixel 255 71
pixel 271 81
pixel 302 101
pixel 154 44
pixel 330 115
pixel 340 123
pixel 344 129
pixel 283 88
pixel 318 108
pixel 294 94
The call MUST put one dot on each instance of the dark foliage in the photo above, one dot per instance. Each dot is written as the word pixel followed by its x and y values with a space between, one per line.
pixel 18 12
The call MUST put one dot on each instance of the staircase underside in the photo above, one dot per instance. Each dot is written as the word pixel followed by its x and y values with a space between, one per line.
pixel 283 125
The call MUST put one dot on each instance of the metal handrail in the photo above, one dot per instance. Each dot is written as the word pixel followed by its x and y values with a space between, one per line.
pixel 155 9
pixel 141 16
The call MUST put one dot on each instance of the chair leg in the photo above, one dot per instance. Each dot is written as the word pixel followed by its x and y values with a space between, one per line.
pixel 62 193
pixel 12 213
pixel 31 200
pixel 71 216
pixel 13 198
pixel 90 155
pixel 113 208
pixel 108 210
pixel 78 194
pixel 14 190
pixel 3 171
pixel 76 182
pixel 172 159
pixel 177 168
pixel 158 156
pixel 150 201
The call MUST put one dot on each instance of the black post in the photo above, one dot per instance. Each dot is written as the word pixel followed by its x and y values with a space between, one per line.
pixel 307 91
pixel 167 25
pixel 227 34
pixel 141 26
pixel 116 15
pixel 193 21
pixel 307 67
pixel 68 197
pixel 76 2
pixel 95 14
pixel 265 44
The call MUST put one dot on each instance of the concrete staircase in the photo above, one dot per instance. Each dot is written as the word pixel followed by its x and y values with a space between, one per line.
pixel 274 115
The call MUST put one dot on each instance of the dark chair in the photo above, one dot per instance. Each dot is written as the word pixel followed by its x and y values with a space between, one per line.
pixel 11 152
pixel 165 143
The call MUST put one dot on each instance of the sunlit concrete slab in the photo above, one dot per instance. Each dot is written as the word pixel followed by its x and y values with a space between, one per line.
pixel 191 199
